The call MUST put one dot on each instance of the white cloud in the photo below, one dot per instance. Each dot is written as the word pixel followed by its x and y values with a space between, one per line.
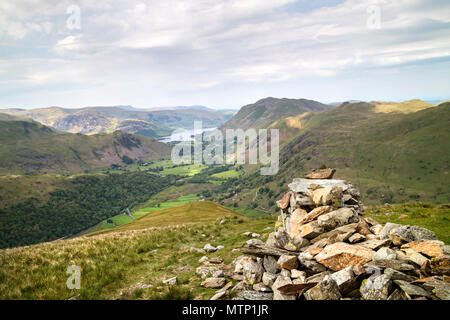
pixel 181 49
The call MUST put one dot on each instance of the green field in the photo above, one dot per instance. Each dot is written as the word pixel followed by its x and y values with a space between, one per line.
pixel 165 205
pixel 227 174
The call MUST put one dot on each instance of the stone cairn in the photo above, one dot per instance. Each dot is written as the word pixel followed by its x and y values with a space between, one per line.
pixel 323 248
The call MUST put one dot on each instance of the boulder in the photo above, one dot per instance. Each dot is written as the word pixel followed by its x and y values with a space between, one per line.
pixel 411 290
pixel 315 213
pixel 255 295
pixel 253 272
pixel 310 230
pixel 327 289
pixel 345 279
pixel 397 275
pixel 376 229
pixel 437 266
pixel 431 248
pixel 376 287
pixel 337 218
pixel 287 262
pixel 307 260
pixel 239 263
pixel 203 259
pixel 327 196
pixel 301 185
pixel 279 282
pixel 209 248
pixel 340 255
pixel 261 287
pixel 355 238
pixel 205 271
pixel 384 234
pixel 297 274
pixel 254 242
pixel 213 283
pixel 405 234
pixel 270 264
pixel 269 278
pixel 385 254
pixel 375 244
pixel 284 202
pixel 294 221
pixel 216 260
pixel 321 174
pixel 414 256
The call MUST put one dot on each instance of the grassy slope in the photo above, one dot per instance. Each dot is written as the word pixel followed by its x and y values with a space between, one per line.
pixel 115 263
pixel 266 111
pixel 392 157
pixel 31 147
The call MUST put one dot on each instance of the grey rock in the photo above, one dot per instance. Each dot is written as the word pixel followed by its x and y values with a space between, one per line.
pixel 297 274
pixel 253 272
pixel 285 273
pixel 375 244
pixel 411 290
pixel 376 287
pixel 384 234
pixel 356 238
pixel 279 282
pixel 203 259
pixel 270 264
pixel 301 185
pixel 239 263
pixel 327 289
pixel 414 256
pixel 398 275
pixel 338 218
pixel 269 278
pixel 254 242
pixel 254 295
pixel 209 248
pixel 213 283
pixel 345 279
pixel 405 234
pixel 308 261
pixel 385 254
pixel 287 262
pixel 261 287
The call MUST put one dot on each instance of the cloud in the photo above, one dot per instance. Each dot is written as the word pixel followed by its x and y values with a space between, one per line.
pixel 162 51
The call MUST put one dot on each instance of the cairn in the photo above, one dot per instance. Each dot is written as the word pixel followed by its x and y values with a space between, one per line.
pixel 323 248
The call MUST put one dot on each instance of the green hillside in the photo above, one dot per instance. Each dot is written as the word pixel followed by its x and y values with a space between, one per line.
pixel 392 157
pixel 266 111
pixel 32 147
pixel 130 264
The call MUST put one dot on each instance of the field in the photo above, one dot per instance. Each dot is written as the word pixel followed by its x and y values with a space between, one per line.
pixel 130 264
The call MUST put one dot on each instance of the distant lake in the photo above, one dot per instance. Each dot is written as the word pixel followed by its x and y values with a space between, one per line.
pixel 185 136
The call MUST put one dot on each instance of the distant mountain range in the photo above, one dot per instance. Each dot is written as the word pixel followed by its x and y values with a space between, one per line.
pixel 148 122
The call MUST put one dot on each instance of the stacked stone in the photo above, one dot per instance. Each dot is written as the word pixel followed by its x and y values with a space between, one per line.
pixel 323 248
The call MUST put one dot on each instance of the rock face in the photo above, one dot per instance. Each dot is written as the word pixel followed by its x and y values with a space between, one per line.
pixel 323 248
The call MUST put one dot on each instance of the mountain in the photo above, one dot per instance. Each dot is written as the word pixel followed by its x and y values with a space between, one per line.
pixel 32 147
pixel 391 156
pixel 266 111
pixel 151 123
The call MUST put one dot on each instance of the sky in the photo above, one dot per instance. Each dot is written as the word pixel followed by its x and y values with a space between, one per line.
pixel 221 53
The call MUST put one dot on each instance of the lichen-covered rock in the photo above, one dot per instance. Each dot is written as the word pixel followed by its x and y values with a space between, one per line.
pixel 213 283
pixel 345 279
pixel 287 262
pixel 405 234
pixel 279 282
pixel 327 196
pixel 310 230
pixel 376 287
pixel 269 278
pixel 270 264
pixel 253 272
pixel 385 254
pixel 337 218
pixel 327 289
pixel 340 255
pixel 431 248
